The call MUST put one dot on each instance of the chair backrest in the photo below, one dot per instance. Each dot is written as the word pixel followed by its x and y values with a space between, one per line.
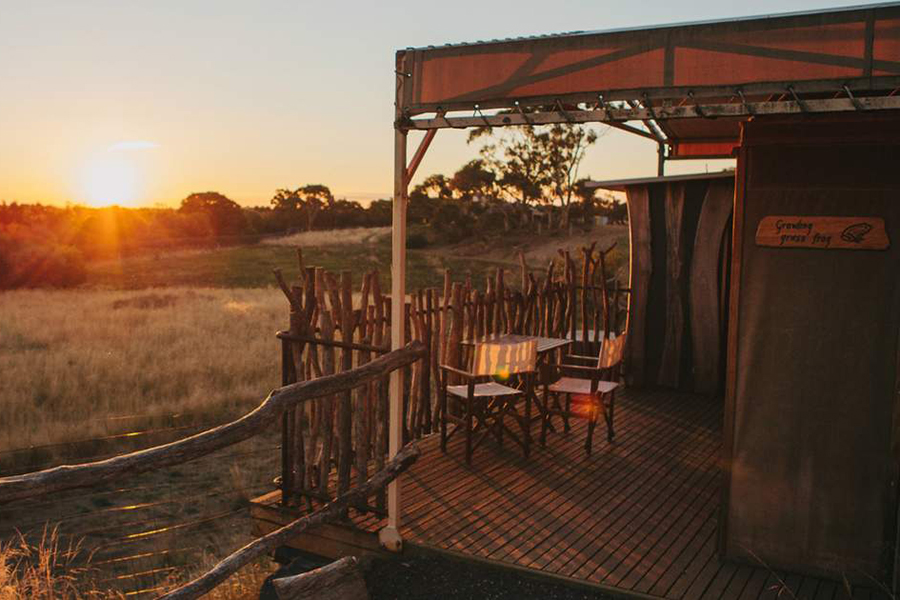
pixel 611 352
pixel 502 359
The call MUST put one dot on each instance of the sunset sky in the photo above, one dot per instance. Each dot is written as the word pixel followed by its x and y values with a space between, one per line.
pixel 150 101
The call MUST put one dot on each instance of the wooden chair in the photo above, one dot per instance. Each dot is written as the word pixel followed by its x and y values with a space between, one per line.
pixel 592 390
pixel 484 404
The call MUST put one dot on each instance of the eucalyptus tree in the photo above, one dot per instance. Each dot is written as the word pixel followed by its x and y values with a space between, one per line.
pixel 308 201
pixel 537 165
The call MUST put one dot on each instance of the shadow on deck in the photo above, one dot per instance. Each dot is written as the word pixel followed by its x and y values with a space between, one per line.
pixel 638 516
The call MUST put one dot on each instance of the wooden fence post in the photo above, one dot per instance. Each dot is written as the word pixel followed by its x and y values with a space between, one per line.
pixel 381 388
pixel 361 405
pixel 287 428
pixel 345 418
pixel 326 412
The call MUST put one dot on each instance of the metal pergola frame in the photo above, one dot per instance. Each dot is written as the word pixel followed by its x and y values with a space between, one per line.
pixel 647 111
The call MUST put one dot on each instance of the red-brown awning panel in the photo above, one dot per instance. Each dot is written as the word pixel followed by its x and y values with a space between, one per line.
pixel 851 46
pixel 702 138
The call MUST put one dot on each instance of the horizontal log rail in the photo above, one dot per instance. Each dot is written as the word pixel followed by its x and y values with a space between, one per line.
pixel 333 511
pixel 20 487
pixel 621 290
pixel 286 335
pixel 325 499
pixel 340 580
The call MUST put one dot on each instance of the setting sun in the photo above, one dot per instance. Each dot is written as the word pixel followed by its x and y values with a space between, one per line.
pixel 111 179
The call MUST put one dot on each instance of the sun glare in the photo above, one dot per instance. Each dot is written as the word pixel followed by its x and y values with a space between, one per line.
pixel 111 179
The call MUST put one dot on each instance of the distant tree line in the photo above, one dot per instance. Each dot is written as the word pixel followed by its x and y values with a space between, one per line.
pixel 51 245
pixel 525 178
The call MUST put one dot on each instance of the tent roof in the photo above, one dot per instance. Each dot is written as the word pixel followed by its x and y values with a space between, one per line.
pixel 664 76
pixel 619 185
pixel 645 28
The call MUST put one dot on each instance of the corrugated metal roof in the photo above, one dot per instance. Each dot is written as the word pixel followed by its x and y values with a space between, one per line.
pixel 662 26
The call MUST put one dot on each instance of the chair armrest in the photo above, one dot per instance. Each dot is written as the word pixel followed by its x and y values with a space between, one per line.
pixel 581 357
pixel 582 372
pixel 459 372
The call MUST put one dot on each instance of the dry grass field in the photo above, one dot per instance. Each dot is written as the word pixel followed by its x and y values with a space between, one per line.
pixel 142 534
pixel 192 332
pixel 332 237
pixel 75 362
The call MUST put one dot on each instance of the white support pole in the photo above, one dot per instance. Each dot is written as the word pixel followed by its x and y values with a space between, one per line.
pixel 390 535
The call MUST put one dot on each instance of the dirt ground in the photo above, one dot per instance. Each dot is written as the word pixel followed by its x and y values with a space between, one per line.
pixel 426 575
pixel 436 577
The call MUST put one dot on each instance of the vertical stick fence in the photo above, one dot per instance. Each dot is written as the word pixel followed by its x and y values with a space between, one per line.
pixel 328 442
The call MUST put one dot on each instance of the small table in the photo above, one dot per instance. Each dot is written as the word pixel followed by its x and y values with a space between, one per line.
pixel 545 347
pixel 544 344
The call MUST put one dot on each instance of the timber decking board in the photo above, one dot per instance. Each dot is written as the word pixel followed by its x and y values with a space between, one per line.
pixel 561 511
pixel 756 584
pixel 624 571
pixel 517 465
pixel 572 526
pixel 517 468
pixel 637 515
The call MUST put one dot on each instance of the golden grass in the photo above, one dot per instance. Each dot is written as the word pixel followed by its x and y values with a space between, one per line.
pixel 47 570
pixel 331 237
pixel 72 359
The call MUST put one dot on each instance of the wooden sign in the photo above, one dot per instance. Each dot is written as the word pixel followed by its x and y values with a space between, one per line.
pixel 831 233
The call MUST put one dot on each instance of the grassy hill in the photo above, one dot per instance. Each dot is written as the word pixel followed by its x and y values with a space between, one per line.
pixel 251 266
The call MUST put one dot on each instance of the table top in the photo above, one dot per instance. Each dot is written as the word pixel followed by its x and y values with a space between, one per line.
pixel 544 344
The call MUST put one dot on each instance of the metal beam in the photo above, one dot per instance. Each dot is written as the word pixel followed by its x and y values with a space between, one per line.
pixel 817 86
pixel 419 154
pixel 700 157
pixel 633 130
pixel 649 124
pixel 621 115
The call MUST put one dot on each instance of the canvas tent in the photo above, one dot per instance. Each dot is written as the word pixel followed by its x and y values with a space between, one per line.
pixel 680 244
pixel 813 358
pixel 814 449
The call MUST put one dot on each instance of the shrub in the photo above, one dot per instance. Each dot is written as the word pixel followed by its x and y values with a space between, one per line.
pixel 41 264
pixel 492 221
pixel 415 241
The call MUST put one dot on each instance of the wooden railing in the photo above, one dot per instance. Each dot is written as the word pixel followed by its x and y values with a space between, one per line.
pixel 278 403
pixel 327 443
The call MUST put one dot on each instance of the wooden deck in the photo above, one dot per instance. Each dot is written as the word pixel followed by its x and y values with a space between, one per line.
pixel 638 516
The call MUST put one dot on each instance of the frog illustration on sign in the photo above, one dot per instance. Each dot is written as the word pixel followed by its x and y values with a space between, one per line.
pixel 855 233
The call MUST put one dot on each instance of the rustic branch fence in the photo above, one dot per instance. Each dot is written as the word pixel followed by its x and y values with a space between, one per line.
pixel 280 401
pixel 326 442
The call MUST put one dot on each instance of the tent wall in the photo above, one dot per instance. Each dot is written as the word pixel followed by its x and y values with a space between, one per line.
pixel 813 353
pixel 678 231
